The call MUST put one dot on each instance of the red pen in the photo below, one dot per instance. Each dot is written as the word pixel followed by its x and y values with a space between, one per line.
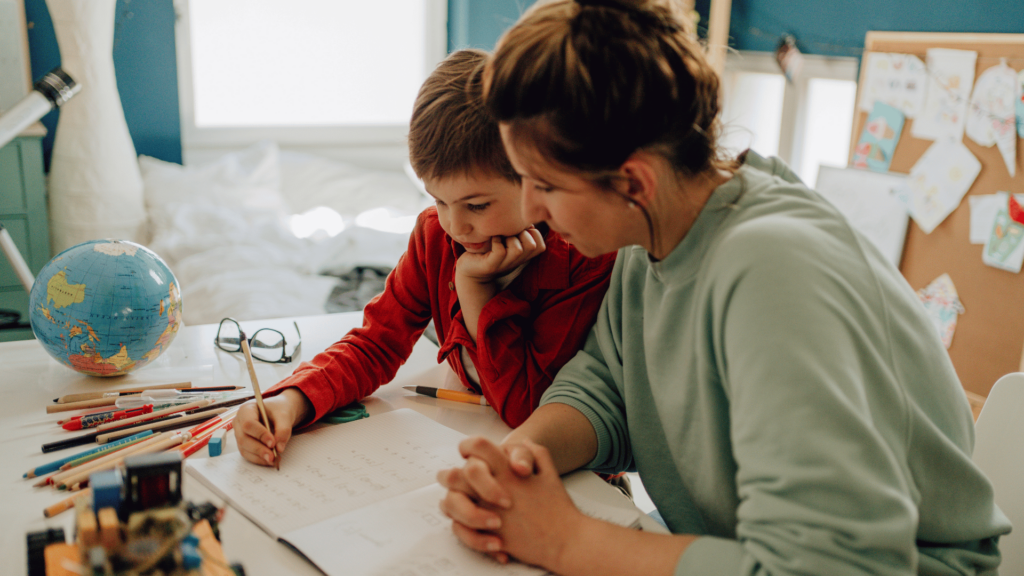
pixel 94 420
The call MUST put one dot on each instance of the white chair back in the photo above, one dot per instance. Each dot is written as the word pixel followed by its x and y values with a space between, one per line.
pixel 999 452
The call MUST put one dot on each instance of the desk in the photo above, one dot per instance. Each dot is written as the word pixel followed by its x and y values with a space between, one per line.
pixel 30 380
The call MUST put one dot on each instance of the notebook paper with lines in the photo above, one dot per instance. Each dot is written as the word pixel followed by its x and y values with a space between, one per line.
pixel 361 498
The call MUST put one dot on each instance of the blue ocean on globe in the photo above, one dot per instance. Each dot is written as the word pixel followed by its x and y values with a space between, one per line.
pixel 105 307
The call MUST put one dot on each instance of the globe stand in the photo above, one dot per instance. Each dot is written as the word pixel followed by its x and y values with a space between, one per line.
pixel 12 318
pixel 10 249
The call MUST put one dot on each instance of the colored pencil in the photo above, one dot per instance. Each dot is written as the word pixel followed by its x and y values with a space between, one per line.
pixel 94 420
pixel 65 504
pixel 455 395
pixel 154 414
pixel 68 398
pixel 52 408
pixel 256 391
pixel 127 428
pixel 163 443
pixel 56 464
pixel 107 449
pixel 197 444
pixel 176 421
pixel 59 478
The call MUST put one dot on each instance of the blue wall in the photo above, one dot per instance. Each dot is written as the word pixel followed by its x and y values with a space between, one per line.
pixel 144 60
pixel 144 54
pixel 837 28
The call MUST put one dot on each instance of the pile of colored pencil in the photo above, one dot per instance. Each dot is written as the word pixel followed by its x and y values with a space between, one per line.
pixel 124 433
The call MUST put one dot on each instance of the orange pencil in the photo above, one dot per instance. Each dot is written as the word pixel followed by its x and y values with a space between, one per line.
pixel 455 395
pixel 65 504
pixel 203 439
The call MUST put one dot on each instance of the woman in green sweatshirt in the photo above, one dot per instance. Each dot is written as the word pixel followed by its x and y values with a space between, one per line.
pixel 772 378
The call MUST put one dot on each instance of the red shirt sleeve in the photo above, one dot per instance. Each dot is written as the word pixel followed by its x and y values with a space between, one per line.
pixel 369 356
pixel 521 345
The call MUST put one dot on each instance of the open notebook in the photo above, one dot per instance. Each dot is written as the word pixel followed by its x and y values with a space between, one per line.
pixel 360 498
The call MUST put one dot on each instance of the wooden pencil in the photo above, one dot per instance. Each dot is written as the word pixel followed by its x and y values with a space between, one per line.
pixel 153 415
pixel 162 444
pixel 258 394
pixel 168 424
pixel 63 475
pixel 65 504
pixel 109 401
pixel 69 398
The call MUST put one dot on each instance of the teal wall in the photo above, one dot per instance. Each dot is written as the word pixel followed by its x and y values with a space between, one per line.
pixel 144 60
pixel 144 54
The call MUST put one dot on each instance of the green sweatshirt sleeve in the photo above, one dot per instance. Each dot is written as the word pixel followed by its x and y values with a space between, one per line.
pixel 592 382
pixel 821 490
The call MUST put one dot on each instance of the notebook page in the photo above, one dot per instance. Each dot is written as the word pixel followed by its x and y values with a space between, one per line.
pixel 407 535
pixel 334 469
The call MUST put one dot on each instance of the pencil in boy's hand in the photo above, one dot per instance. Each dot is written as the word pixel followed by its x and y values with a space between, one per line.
pixel 256 391
pixel 449 394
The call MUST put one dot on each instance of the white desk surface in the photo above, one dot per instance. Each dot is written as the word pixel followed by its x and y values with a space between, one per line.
pixel 30 380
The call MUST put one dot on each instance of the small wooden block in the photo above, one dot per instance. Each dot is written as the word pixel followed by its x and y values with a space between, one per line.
pixel 110 528
pixel 210 547
pixel 61 558
pixel 88 534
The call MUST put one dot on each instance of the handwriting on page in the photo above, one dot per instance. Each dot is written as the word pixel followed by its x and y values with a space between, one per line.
pixel 406 535
pixel 335 469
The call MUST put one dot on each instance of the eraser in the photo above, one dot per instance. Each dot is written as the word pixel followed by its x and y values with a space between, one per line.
pixel 215 445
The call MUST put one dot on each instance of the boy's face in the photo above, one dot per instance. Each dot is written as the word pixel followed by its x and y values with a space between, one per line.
pixel 474 208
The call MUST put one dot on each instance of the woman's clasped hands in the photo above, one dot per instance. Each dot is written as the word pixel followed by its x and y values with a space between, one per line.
pixel 508 501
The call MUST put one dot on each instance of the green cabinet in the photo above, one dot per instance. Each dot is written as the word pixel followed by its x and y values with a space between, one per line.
pixel 23 213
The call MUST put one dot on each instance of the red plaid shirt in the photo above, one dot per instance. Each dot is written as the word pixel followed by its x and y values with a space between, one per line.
pixel 526 332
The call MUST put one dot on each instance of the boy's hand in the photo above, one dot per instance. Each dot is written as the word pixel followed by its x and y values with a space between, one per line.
pixel 507 253
pixel 285 410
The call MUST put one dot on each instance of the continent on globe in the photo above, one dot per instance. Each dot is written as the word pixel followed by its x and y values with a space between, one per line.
pixel 63 294
pixel 105 307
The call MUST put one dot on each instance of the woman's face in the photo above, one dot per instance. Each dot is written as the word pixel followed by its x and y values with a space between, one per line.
pixel 592 219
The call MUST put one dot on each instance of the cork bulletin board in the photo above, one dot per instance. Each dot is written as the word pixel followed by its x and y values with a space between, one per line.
pixel 989 335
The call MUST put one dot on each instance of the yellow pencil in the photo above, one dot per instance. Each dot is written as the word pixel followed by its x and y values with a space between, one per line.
pixel 455 395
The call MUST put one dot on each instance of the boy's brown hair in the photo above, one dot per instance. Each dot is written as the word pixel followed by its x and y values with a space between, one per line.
pixel 451 132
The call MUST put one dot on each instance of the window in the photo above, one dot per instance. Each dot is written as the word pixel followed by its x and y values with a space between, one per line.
pixel 806 123
pixel 305 71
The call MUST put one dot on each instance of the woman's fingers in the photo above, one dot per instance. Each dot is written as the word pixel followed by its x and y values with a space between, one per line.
pixel 521 460
pixel 480 541
pixel 462 509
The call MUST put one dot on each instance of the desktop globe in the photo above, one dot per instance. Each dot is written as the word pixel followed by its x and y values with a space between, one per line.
pixel 105 307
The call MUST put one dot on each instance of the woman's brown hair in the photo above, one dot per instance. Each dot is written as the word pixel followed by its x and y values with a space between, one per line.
pixel 451 132
pixel 588 83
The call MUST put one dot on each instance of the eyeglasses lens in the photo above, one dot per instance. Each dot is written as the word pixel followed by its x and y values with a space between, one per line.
pixel 228 336
pixel 267 345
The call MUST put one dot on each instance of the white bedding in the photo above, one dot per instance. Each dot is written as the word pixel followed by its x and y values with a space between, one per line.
pixel 223 228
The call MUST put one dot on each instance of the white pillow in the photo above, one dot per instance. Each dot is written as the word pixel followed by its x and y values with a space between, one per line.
pixel 309 181
pixel 248 180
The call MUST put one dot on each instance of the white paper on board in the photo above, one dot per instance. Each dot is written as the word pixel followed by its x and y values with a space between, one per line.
pixel 938 182
pixel 950 78
pixel 867 200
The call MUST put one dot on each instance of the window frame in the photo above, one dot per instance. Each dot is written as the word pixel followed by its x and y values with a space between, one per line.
pixel 195 139
pixel 794 111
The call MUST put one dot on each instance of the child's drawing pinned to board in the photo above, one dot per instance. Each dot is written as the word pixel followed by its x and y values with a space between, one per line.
pixel 943 306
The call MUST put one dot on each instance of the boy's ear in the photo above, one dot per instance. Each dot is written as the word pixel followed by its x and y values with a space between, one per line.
pixel 640 179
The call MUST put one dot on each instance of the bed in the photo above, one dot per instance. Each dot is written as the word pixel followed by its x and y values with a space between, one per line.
pixel 266 233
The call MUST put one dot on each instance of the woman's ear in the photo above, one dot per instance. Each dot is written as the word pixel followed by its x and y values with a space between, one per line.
pixel 640 180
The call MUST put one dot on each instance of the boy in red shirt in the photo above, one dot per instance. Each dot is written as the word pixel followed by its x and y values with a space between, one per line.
pixel 511 303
